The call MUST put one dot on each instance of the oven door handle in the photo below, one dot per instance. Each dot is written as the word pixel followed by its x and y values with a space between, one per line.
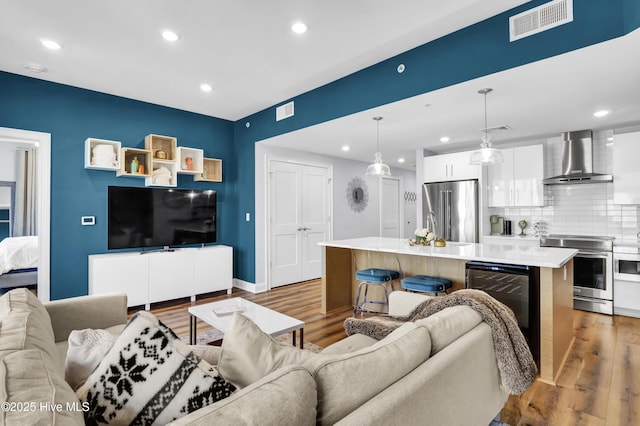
pixel 593 255
pixel 585 299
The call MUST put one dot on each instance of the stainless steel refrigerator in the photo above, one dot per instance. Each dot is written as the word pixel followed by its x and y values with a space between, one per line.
pixel 450 209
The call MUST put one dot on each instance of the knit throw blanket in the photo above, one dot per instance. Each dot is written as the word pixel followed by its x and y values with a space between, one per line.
pixel 515 362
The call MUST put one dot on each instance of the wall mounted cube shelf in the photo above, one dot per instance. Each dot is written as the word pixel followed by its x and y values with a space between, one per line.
pixel 102 154
pixel 142 156
pixel 163 173
pixel 211 171
pixel 190 160
pixel 159 162
pixel 162 147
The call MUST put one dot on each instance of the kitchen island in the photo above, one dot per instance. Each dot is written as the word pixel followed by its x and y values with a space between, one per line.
pixel 340 259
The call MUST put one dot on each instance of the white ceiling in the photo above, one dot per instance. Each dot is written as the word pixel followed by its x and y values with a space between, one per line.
pixel 246 51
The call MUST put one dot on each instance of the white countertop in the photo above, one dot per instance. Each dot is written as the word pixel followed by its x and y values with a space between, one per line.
pixel 514 254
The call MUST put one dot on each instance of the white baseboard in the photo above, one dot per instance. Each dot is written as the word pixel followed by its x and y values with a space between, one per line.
pixel 626 312
pixel 250 287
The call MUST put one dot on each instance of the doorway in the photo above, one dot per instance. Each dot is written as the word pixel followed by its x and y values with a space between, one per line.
pixel 43 143
pixel 7 208
pixel 391 211
pixel 299 217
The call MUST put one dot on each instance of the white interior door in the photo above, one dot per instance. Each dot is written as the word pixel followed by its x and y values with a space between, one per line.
pixel 390 208
pixel 315 218
pixel 284 180
pixel 299 198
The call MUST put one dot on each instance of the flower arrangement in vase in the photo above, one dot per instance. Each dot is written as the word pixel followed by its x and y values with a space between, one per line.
pixel 423 237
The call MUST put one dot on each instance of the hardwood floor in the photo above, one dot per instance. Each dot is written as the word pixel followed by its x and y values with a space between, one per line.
pixel 301 301
pixel 599 384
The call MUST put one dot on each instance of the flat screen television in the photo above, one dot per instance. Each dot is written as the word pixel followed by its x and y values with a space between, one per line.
pixel 160 217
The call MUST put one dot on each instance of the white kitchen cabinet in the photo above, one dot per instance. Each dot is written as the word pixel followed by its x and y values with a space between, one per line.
pixel 626 173
pixel 517 181
pixel 449 167
pixel 157 276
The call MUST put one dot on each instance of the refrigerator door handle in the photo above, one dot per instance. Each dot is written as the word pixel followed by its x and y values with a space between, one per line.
pixel 446 217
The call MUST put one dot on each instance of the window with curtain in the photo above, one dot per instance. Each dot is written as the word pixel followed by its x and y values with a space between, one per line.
pixel 25 222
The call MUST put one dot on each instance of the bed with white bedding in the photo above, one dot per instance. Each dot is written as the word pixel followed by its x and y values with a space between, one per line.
pixel 18 262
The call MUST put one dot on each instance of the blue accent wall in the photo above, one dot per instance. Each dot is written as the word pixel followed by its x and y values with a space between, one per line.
pixel 71 115
pixel 475 51
pixel 631 15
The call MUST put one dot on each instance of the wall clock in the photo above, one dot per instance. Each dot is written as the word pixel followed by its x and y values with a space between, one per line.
pixel 357 194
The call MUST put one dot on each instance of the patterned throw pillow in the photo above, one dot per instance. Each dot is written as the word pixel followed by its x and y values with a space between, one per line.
pixel 149 377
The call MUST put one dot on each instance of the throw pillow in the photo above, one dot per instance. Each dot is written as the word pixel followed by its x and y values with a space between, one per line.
pixel 248 353
pixel 149 377
pixel 86 349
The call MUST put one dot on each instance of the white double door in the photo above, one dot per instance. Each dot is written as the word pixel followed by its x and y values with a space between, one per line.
pixel 299 219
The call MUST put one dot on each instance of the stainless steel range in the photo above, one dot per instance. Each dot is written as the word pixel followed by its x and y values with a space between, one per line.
pixel 592 270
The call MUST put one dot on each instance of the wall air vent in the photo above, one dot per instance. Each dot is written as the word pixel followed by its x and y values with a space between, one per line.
pixel 541 18
pixel 284 111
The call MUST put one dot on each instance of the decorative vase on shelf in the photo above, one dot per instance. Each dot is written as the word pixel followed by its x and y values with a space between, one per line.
pixel 134 165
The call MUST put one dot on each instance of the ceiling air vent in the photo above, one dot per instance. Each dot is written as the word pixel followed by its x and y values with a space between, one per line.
pixel 494 128
pixel 540 19
pixel 284 111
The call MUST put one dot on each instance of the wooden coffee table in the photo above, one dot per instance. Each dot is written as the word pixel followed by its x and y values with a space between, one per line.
pixel 271 322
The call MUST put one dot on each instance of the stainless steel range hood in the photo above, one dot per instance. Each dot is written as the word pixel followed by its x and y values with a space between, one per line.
pixel 577 161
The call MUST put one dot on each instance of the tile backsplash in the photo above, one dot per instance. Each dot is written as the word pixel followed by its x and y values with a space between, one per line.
pixel 579 209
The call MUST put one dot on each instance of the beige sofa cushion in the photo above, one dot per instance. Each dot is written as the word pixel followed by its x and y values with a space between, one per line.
pixel 352 343
pixel 285 397
pixel 25 324
pixel 29 377
pixel 248 353
pixel 403 302
pixel 345 382
pixel 448 325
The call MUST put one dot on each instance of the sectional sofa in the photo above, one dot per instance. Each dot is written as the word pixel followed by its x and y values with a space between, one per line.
pixel 443 371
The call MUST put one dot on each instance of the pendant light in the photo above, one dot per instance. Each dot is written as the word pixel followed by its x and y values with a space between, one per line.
pixel 378 168
pixel 486 154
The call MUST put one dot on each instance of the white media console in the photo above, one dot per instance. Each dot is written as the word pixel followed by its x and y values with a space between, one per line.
pixel 151 277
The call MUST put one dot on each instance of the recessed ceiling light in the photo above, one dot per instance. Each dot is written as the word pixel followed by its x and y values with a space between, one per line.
pixel 205 87
pixel 445 139
pixel 299 28
pixel 400 160
pixel 346 148
pixel 170 36
pixel 50 44
pixel 600 113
